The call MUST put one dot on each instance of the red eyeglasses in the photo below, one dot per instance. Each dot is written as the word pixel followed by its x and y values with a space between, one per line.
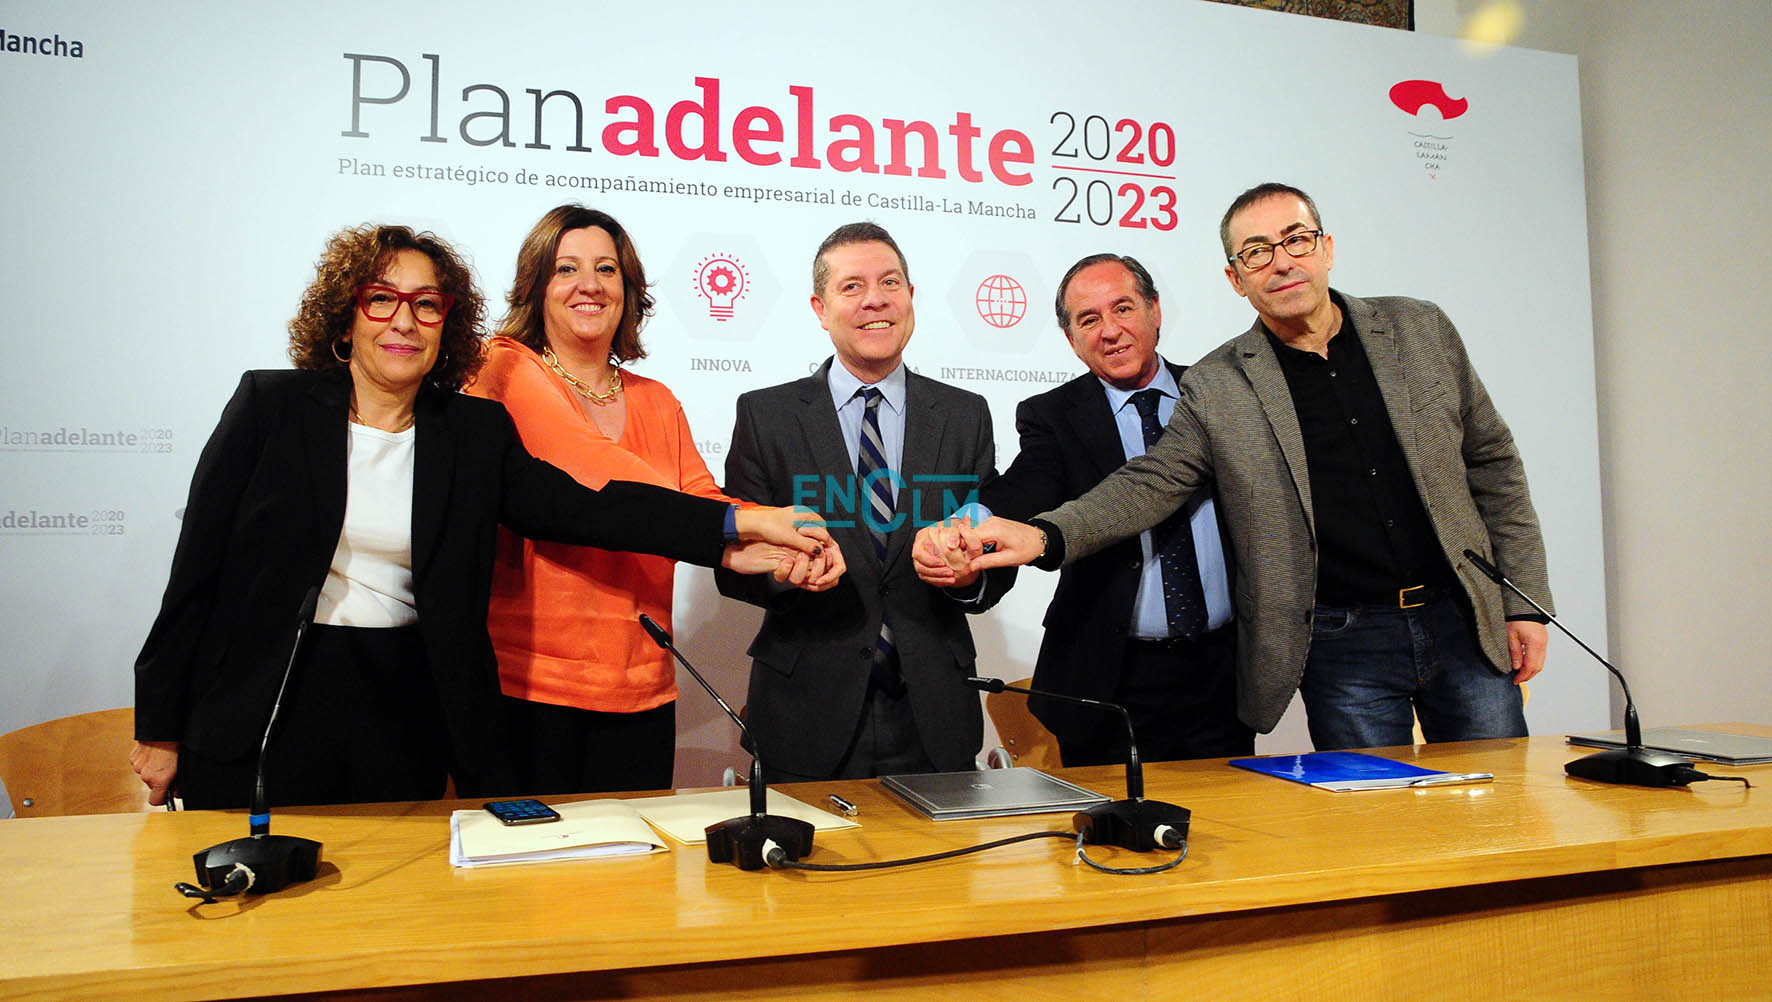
pixel 429 307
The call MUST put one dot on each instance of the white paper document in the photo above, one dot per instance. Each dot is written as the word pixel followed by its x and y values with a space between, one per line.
pixel 586 830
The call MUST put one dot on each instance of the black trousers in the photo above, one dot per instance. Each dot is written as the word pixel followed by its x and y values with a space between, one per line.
pixel 885 743
pixel 1182 695
pixel 563 749
pixel 360 723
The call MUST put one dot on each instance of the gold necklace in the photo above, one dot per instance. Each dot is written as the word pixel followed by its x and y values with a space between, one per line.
pixel 358 418
pixel 579 386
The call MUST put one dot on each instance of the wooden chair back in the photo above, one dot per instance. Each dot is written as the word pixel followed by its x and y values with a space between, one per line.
pixel 73 765
pixel 1028 741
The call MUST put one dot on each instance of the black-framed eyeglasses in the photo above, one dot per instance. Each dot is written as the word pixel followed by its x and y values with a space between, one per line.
pixel 429 307
pixel 1257 256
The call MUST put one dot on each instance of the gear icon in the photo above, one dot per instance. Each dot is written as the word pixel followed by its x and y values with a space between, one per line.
pixel 722 281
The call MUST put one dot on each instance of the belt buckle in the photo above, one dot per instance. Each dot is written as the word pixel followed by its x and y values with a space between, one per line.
pixel 1403 602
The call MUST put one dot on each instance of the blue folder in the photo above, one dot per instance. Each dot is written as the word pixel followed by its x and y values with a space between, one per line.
pixel 1345 771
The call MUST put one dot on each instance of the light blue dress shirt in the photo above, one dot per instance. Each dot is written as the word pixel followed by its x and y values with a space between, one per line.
pixel 850 409
pixel 1150 617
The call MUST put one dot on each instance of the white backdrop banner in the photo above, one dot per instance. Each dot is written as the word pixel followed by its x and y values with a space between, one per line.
pixel 176 168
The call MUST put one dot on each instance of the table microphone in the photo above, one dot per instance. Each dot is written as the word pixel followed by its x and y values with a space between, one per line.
pixel 743 842
pixel 261 862
pixel 1134 823
pixel 1633 764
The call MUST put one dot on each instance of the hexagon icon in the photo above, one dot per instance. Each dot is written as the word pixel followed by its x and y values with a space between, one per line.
pixel 998 299
pixel 719 287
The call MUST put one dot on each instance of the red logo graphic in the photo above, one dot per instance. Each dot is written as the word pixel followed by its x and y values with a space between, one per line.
pixel 722 281
pixel 1002 302
pixel 1413 95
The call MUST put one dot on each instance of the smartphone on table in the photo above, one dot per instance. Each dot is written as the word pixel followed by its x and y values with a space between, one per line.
pixel 521 812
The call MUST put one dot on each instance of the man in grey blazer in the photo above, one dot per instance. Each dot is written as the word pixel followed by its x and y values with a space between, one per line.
pixel 1357 455
pixel 867 678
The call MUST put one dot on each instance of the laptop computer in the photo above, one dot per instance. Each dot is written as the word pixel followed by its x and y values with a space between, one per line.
pixel 1713 746
pixel 989 793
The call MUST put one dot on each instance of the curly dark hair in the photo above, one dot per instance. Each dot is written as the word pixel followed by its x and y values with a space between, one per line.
pixel 356 257
pixel 535 267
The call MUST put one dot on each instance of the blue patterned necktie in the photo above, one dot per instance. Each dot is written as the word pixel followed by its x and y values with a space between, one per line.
pixel 1173 541
pixel 875 487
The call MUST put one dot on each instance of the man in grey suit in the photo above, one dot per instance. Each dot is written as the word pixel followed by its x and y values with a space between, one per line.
pixel 1357 455
pixel 867 678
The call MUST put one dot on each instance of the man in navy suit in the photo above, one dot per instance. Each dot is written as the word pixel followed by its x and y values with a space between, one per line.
pixel 1145 623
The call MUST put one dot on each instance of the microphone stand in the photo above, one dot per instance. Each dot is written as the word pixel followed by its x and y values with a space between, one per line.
pixel 744 841
pixel 1133 823
pixel 1631 765
pixel 261 862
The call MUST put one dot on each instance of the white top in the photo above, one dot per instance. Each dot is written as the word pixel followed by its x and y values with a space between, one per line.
pixel 370 581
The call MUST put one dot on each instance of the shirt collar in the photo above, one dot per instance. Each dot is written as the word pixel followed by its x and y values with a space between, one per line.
pixel 843 385
pixel 1347 327
pixel 1163 383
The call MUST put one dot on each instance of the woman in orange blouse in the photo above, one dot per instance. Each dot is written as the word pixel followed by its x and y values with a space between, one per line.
pixel 594 695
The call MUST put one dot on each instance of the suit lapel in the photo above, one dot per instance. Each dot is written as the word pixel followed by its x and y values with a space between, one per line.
pixel 1380 345
pixel 1256 358
pixel 1093 421
pixel 433 467
pixel 923 423
pixel 830 457
pixel 325 433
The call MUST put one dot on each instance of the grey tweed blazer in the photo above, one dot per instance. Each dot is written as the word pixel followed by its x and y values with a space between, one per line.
pixel 1235 426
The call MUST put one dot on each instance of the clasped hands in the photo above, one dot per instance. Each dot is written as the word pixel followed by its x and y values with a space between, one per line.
pixel 790 544
pixel 951 553
pixel 793 546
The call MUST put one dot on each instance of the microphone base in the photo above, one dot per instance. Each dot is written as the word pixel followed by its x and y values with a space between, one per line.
pixel 1131 824
pixel 1633 767
pixel 740 840
pixel 276 861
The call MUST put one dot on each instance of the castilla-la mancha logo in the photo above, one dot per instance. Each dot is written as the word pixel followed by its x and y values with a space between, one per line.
pixel 1430 139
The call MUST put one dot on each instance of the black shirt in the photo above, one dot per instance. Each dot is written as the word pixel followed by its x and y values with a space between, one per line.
pixel 1374 536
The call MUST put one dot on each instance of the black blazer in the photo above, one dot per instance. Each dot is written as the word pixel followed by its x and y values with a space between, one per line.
pixel 1069 443
pixel 266 507
pixel 812 654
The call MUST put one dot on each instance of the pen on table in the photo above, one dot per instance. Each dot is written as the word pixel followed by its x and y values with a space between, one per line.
pixel 848 809
pixel 1453 777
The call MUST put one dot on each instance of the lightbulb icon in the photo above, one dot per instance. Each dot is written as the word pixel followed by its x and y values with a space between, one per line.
pixel 722 281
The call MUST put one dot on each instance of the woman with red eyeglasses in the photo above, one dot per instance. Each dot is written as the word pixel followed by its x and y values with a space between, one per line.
pixel 363 472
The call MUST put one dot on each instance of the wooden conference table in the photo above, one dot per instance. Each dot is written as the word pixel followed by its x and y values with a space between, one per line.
pixel 1533 886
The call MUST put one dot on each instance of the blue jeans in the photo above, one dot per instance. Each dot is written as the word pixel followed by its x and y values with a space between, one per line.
pixel 1370 666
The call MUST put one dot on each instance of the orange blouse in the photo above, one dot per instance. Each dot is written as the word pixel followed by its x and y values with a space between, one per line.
pixel 564 619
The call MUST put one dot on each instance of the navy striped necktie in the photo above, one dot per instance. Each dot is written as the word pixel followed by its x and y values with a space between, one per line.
pixel 872 475
pixel 874 485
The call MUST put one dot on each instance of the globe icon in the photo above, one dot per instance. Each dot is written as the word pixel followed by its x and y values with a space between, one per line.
pixel 1002 302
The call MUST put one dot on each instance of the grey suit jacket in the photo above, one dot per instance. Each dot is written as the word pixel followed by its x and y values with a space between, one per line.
pixel 1235 426
pixel 810 675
